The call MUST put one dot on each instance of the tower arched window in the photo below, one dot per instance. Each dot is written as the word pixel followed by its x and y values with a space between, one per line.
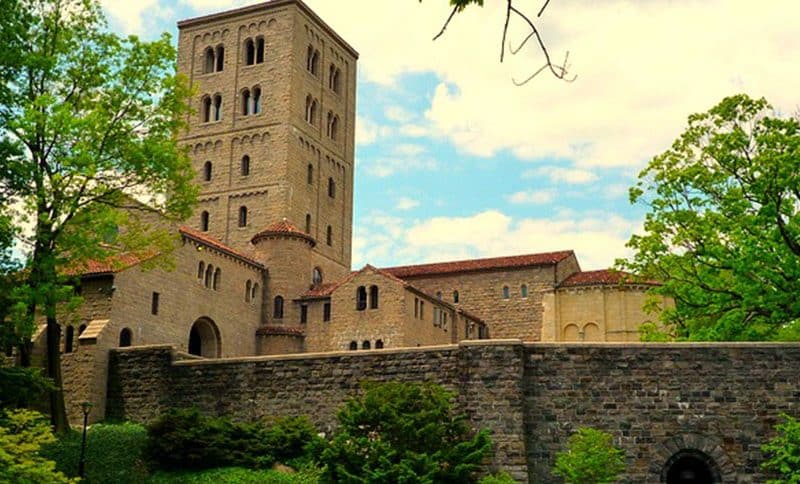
pixel 245 166
pixel 205 110
pixel 506 292
pixel 209 276
pixel 125 338
pixel 334 129
pixel 204 217
pixel 217 107
pixel 308 223
pixel 331 188
pixel 333 79
pixel 329 235
pixel 523 290
pixel 312 60
pixel 328 124
pixel 310 174
pixel 209 60
pixel 201 270
pixel 365 345
pixel 247 288
pixel 373 297
pixel 207 171
pixel 256 100
pixel 311 110
pixel 259 50
pixel 246 102
pixel 249 52
pixel 242 216
pixel 353 346
pixel 316 276
pixel 361 298
pixel 220 58
pixel 217 278
pixel 379 344
pixel 277 308
pixel 455 296
pixel 254 292
pixel 439 295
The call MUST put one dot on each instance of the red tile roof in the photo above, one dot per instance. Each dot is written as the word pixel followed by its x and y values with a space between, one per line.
pixel 213 243
pixel 110 265
pixel 283 228
pixel 604 277
pixel 475 265
pixel 320 290
pixel 280 330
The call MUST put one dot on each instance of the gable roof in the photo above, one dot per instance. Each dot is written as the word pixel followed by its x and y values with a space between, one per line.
pixel 110 265
pixel 604 277
pixel 477 265
pixel 211 242
pixel 283 228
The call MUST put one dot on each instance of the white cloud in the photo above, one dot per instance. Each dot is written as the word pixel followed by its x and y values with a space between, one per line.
pixel 408 149
pixel 538 197
pixel 398 114
pixel 387 166
pixel 414 130
pixel 405 203
pixel 573 176
pixel 597 238
pixel 130 14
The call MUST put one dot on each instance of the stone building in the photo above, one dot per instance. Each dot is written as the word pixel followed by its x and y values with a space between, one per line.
pixel 264 265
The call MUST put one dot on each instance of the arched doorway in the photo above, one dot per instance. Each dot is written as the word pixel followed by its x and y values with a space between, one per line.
pixel 690 467
pixel 204 339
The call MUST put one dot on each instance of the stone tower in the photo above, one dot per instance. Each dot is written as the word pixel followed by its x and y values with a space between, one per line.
pixel 272 133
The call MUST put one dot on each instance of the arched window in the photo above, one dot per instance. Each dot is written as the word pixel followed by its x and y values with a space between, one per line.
pixel 373 297
pixel 245 166
pixel 207 171
pixel 81 329
pixel 209 63
pixel 331 188
pixel 209 276
pixel 365 345
pixel 329 235
pixel 311 110
pixel 246 102
pixel 249 52
pixel 217 277
pixel 206 109
pixel 277 308
pixel 242 216
pixel 361 298
pixel 331 73
pixel 310 174
pixel 308 223
pixel 523 290
pixel 312 60
pixel 353 346
pixel 254 292
pixel 259 50
pixel 334 129
pixel 220 58
pixel 439 295
pixel 256 100
pixel 247 288
pixel 333 79
pixel 217 107
pixel 379 344
pixel 204 221
pixel 125 338
pixel 201 270
pixel 316 276
pixel 328 124
pixel 506 292
pixel 69 337
pixel 455 296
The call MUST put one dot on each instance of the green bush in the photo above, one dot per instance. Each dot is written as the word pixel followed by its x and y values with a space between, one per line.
pixel 403 432
pixel 22 433
pixel 114 453
pixel 235 475
pixel 590 458
pixel 500 478
pixel 783 452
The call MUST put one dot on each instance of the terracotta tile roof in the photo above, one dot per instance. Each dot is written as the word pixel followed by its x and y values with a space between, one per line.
pixel 285 228
pixel 604 277
pixel 213 243
pixel 474 265
pixel 280 330
pixel 320 290
pixel 110 265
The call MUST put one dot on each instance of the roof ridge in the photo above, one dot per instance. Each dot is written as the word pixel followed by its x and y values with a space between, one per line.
pixel 486 263
pixel 215 243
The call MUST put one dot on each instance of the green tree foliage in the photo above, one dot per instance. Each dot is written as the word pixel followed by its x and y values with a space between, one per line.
pixel 723 227
pixel 22 433
pixel 783 452
pixel 22 387
pixel 403 432
pixel 86 119
pixel 590 458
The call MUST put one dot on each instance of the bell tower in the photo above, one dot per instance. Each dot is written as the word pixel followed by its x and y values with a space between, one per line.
pixel 272 134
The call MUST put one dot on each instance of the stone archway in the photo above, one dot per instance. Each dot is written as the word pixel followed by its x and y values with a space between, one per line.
pixel 690 467
pixel 692 458
pixel 204 339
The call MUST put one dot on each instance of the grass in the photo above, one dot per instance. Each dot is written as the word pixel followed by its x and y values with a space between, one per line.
pixel 235 475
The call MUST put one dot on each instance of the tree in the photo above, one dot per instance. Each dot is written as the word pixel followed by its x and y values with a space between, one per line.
pixel 590 458
pixel 783 452
pixel 87 118
pixel 403 432
pixel 723 227
pixel 558 71
pixel 22 434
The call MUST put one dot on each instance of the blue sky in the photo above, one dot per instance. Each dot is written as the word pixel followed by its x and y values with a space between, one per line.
pixel 454 161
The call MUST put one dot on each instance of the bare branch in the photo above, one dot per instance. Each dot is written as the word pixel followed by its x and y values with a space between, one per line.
pixel 541 10
pixel 505 31
pixel 444 27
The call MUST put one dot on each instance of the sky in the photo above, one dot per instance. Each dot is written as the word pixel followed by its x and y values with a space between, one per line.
pixel 454 161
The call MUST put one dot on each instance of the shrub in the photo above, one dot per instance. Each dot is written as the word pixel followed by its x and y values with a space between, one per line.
pixel 22 433
pixel 783 452
pixel 500 478
pixel 590 458
pixel 403 432
pixel 290 438
pixel 114 453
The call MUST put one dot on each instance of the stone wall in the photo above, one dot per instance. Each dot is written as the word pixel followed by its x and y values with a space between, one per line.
pixel 721 400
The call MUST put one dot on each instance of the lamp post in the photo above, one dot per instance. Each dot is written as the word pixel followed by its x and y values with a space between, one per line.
pixel 86 407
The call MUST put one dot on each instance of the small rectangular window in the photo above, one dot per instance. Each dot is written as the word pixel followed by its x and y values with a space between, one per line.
pixel 154 303
pixel 303 313
pixel 416 308
pixel 422 310
pixel 326 312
